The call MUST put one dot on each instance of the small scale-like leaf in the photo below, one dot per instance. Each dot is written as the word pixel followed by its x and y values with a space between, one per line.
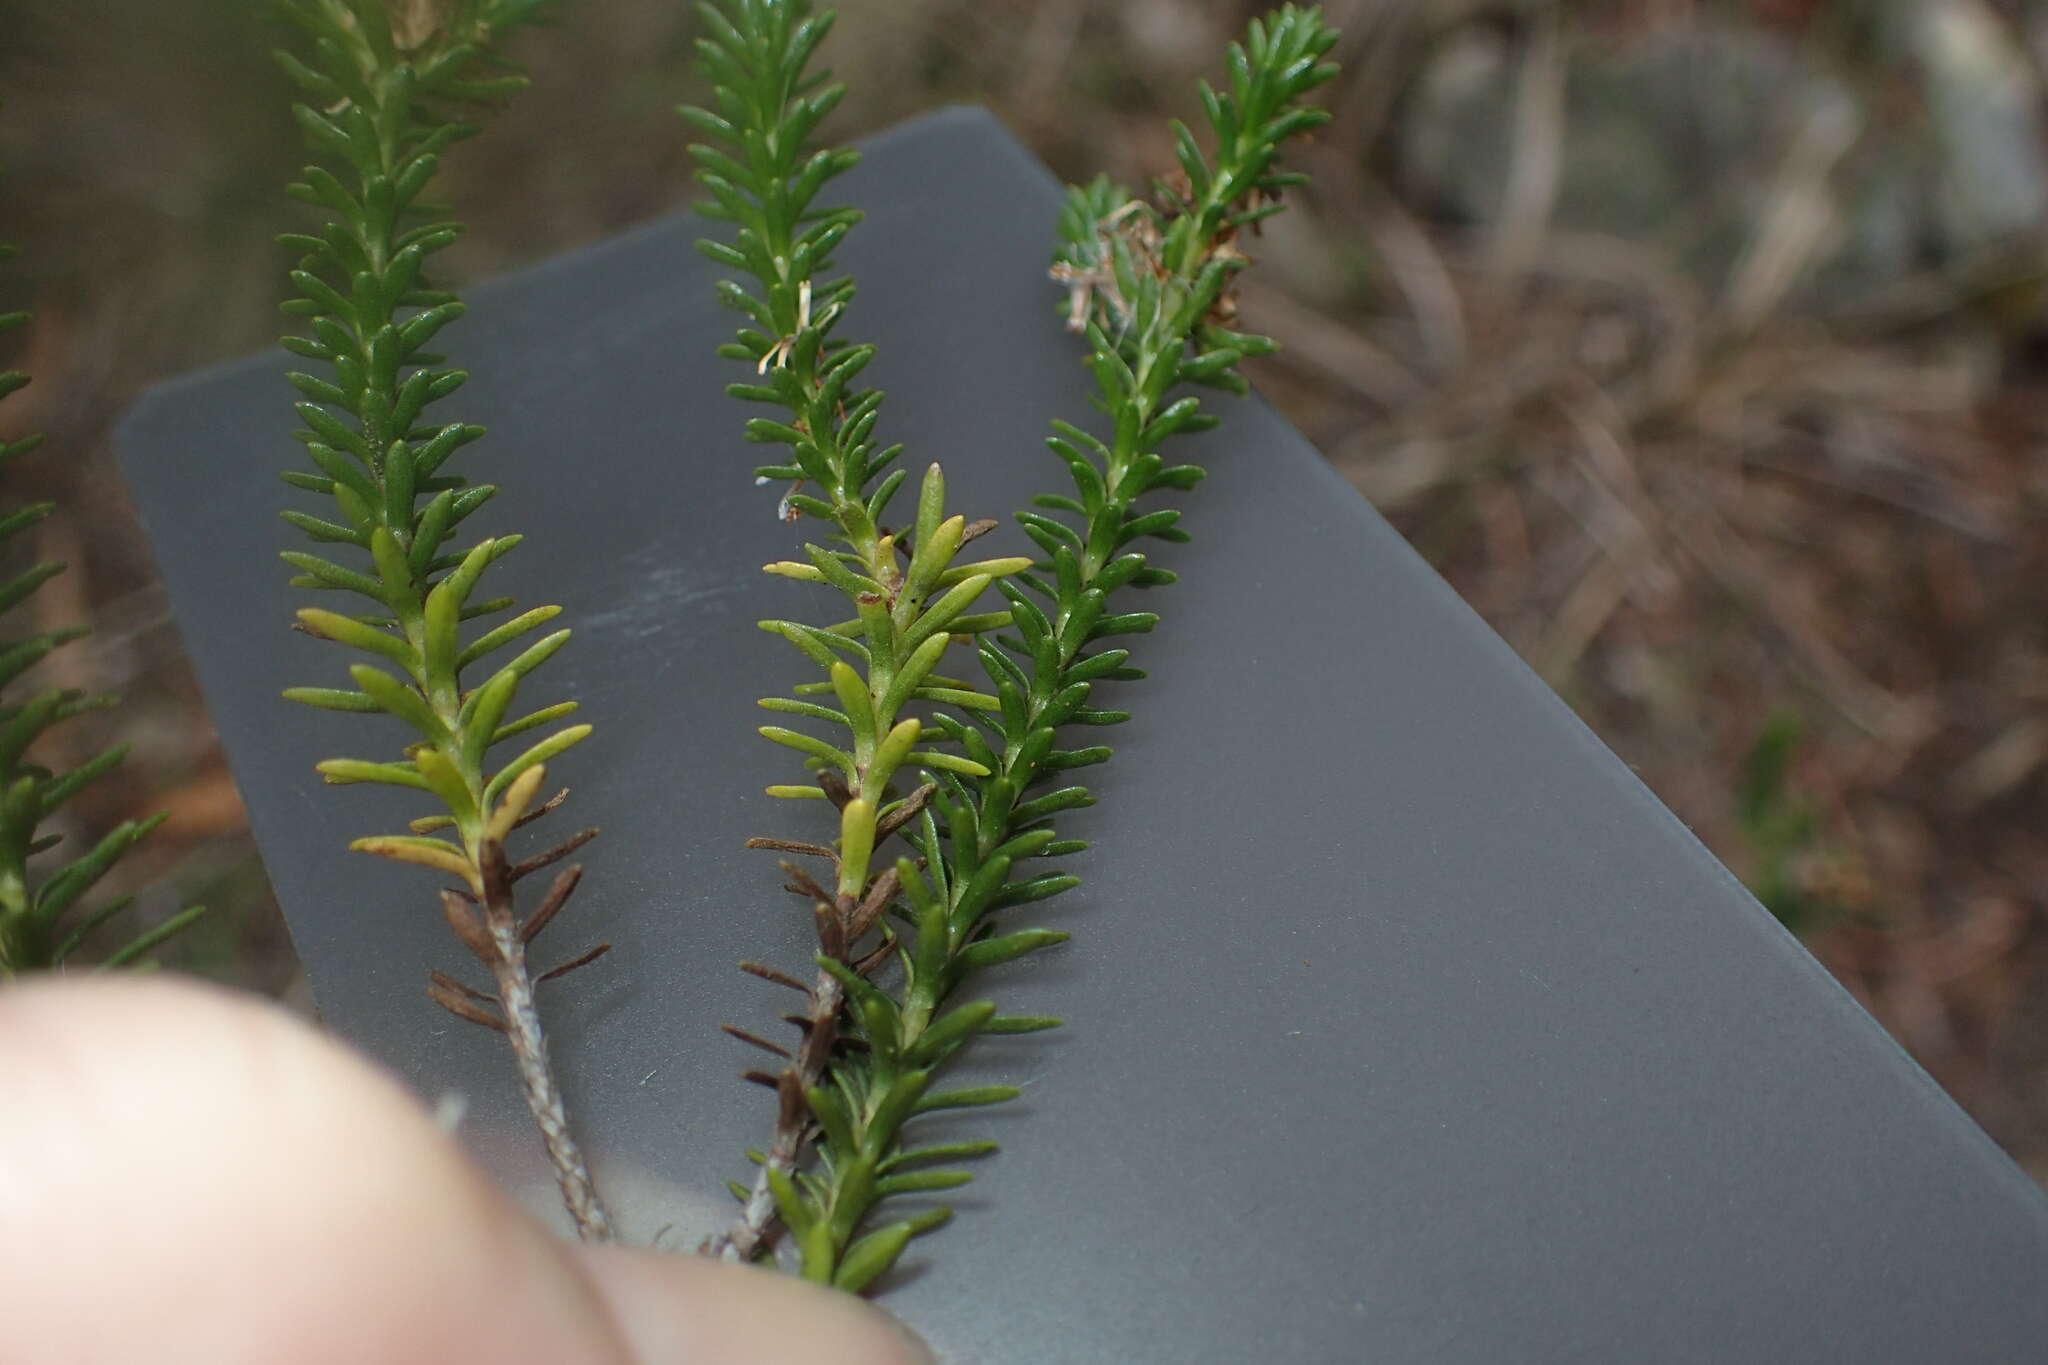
pixel 971 1097
pixel 330 699
pixel 505 634
pixel 147 942
pixel 990 952
pixel 532 721
pixel 951 763
pixel 346 770
pixel 949 1031
pixel 790 1203
pixel 921 1182
pixel 1022 1023
pixel 870 1258
pixel 944 1151
pixel 539 753
pixel 330 625
pixel 437 854
pixel 400 700
pixel 808 744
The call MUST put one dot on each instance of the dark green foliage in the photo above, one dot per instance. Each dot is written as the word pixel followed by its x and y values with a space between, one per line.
pixel 42 919
pixel 1150 286
pixel 767 185
pixel 385 86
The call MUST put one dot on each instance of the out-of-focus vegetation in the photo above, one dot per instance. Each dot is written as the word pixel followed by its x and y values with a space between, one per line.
pixel 1702 345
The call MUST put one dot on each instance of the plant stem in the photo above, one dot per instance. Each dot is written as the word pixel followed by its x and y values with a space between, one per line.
pixel 383 89
pixel 530 1049
pixel 752 1232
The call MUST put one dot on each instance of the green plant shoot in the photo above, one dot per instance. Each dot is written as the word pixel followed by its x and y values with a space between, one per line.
pixel 1150 285
pixel 42 919
pixel 384 86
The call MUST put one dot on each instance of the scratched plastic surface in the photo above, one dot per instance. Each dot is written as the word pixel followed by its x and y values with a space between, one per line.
pixel 1405 1025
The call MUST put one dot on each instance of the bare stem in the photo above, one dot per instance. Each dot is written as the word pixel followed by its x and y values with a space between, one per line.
pixel 751 1231
pixel 530 1048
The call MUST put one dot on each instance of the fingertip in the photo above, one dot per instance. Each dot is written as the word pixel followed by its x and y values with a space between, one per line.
pixel 671 1308
pixel 252 1192
pixel 259 1193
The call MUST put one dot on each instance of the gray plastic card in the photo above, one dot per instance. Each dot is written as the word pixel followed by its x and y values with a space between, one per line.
pixel 1404 1024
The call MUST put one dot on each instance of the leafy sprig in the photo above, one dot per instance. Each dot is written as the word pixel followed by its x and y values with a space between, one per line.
pixel 387 87
pixel 40 923
pixel 1150 286
pixel 910 595
pixel 1151 291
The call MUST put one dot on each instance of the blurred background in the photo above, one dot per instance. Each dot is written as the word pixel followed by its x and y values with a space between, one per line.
pixel 1703 346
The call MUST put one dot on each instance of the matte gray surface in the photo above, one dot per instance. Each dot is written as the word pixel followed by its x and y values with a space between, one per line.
pixel 1406 1026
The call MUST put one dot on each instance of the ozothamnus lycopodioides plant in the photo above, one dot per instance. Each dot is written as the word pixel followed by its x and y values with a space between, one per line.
pixel 38 927
pixel 1148 283
pixel 384 87
pixel 1150 287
